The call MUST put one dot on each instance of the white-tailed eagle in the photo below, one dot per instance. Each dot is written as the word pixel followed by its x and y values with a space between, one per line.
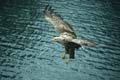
pixel 67 36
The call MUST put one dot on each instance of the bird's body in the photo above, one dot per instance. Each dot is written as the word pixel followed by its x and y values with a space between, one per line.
pixel 67 36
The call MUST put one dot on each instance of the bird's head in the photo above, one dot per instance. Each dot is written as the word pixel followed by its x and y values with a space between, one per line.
pixel 56 39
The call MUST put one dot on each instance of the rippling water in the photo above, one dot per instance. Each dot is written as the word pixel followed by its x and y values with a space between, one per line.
pixel 26 52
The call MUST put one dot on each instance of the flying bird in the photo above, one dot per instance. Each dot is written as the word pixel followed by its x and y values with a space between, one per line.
pixel 67 36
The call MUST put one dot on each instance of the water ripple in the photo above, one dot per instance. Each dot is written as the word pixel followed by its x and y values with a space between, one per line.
pixel 26 52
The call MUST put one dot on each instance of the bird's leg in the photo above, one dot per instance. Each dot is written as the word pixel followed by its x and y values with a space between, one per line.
pixel 63 56
pixel 67 61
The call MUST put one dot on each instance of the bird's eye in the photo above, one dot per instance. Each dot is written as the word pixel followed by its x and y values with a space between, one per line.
pixel 55 39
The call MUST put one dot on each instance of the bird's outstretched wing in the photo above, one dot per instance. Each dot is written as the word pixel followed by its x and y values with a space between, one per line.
pixel 83 42
pixel 72 52
pixel 59 24
pixel 69 49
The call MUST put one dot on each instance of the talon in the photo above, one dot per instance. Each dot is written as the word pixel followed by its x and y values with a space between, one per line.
pixel 67 61
pixel 63 56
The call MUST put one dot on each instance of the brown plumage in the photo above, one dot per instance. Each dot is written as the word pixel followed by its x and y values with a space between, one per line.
pixel 67 36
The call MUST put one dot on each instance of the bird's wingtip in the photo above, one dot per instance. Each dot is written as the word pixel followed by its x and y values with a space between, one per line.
pixel 48 11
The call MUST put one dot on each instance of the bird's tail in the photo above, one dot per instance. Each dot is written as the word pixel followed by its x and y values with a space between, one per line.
pixel 84 42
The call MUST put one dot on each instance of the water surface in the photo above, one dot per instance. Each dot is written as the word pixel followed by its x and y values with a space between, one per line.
pixel 26 52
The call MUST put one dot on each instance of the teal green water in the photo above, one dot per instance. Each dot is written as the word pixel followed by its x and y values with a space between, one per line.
pixel 26 52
